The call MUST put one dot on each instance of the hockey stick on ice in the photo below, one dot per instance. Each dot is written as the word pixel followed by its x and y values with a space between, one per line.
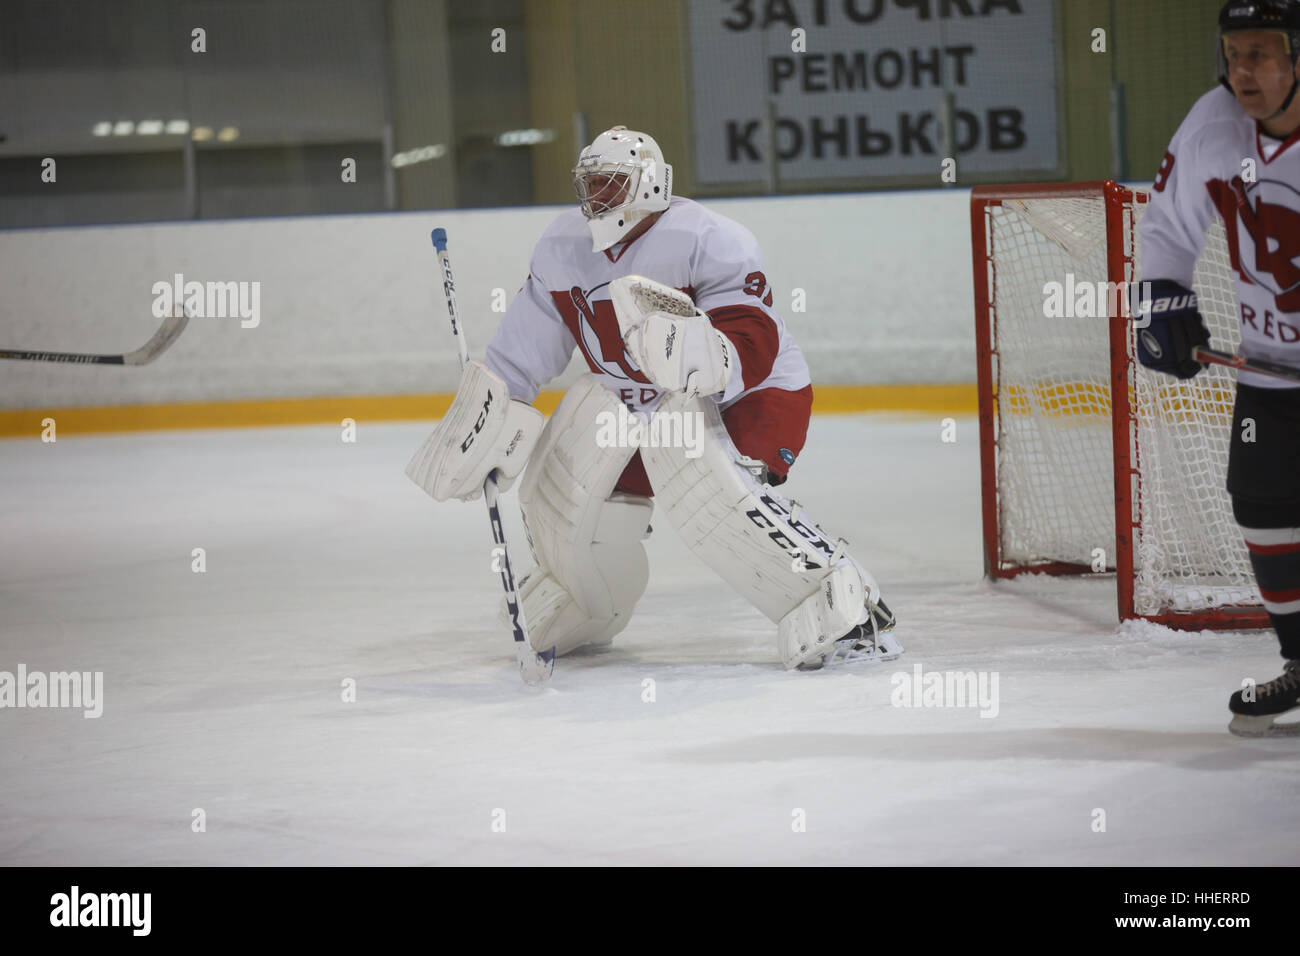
pixel 167 333
pixel 534 668
pixel 1215 357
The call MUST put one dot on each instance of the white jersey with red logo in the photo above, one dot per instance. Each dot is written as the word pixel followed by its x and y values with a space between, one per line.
pixel 565 303
pixel 1220 160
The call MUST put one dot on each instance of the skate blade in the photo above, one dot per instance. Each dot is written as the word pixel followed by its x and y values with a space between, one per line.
pixel 851 659
pixel 1256 727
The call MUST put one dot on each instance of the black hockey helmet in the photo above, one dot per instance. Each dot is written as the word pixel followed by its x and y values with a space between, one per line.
pixel 1281 16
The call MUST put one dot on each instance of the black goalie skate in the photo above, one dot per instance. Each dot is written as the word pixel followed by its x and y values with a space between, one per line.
pixel 1256 718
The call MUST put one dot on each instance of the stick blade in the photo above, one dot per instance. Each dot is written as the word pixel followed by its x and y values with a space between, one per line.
pixel 536 668
pixel 161 341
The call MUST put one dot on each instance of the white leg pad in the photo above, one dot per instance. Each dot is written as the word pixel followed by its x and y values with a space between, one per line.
pixel 760 543
pixel 591 566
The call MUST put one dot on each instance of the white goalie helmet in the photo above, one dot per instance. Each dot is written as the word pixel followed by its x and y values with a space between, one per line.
pixel 620 179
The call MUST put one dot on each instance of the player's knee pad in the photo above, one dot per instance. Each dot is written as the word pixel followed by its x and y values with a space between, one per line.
pixel 759 542
pixel 591 565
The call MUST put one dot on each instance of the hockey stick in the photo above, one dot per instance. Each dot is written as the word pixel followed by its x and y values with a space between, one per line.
pixel 534 668
pixel 167 333
pixel 1215 357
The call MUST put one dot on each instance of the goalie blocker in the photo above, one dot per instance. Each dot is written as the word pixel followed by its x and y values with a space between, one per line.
pixel 482 432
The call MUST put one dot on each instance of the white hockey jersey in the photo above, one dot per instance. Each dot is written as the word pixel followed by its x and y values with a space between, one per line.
pixel 565 303
pixel 1220 160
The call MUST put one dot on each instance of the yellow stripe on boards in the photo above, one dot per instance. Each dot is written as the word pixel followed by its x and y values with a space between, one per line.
pixel 946 399
pixel 27 422
pixel 187 415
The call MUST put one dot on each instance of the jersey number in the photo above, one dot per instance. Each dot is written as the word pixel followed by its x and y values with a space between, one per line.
pixel 755 283
pixel 1162 174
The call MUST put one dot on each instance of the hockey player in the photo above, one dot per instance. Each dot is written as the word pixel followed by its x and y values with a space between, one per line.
pixel 671 309
pixel 1238 154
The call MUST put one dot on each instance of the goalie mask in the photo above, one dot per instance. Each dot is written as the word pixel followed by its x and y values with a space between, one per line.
pixel 620 179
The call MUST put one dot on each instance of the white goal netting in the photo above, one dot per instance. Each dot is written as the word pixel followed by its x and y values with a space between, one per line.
pixel 1054 376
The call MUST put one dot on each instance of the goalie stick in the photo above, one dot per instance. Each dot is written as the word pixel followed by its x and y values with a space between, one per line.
pixel 1215 357
pixel 534 668
pixel 167 333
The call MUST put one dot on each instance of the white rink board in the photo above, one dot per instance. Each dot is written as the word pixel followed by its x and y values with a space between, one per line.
pixel 352 305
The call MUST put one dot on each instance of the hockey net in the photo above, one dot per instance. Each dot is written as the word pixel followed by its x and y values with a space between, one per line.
pixel 1090 461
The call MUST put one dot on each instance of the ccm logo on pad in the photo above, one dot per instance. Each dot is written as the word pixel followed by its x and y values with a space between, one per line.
pixel 478 425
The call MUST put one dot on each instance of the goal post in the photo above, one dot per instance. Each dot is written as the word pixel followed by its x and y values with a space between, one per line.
pixel 1088 460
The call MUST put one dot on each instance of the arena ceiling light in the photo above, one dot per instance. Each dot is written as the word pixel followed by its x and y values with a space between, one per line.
pixel 149 127
pixel 421 154
pixel 524 137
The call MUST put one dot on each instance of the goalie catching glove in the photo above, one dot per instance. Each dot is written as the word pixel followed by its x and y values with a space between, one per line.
pixel 482 432
pixel 1174 328
pixel 671 341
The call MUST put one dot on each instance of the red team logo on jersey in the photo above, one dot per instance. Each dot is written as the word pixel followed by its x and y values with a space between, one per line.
pixel 1263 234
pixel 595 328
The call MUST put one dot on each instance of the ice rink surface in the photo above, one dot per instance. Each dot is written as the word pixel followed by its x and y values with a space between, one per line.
pixel 223 690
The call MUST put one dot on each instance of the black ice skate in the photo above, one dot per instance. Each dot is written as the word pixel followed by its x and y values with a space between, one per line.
pixel 1255 718
pixel 867 641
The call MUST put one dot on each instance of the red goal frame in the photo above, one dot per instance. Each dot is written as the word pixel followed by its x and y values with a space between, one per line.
pixel 1120 240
